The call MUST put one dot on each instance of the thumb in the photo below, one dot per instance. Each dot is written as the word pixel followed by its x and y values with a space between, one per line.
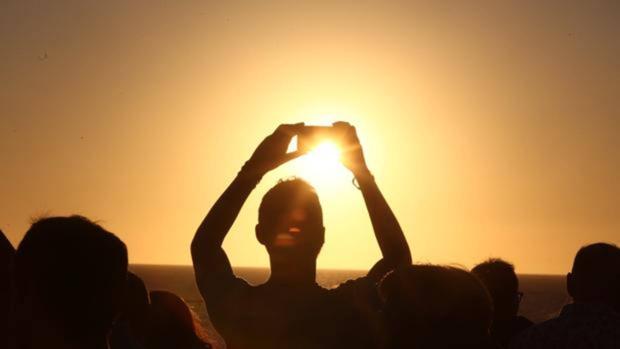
pixel 290 156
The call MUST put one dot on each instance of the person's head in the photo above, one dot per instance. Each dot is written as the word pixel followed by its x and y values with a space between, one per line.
pixel 6 254
pixel 290 220
pixel 173 324
pixel 429 306
pixel 70 276
pixel 6 259
pixel 595 276
pixel 500 279
pixel 136 306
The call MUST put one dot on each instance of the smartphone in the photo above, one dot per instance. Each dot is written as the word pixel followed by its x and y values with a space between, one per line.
pixel 311 136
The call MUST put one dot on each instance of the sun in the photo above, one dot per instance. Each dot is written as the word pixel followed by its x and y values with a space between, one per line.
pixel 322 167
pixel 325 153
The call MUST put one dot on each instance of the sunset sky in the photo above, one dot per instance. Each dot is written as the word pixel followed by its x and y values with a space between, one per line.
pixel 492 127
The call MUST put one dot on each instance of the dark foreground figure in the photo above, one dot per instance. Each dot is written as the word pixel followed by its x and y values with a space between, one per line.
pixel 6 260
pixel 592 321
pixel 173 325
pixel 290 310
pixel 435 307
pixel 131 326
pixel 70 275
pixel 501 281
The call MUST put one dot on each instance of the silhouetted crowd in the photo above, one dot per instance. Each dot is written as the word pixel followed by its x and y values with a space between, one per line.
pixel 67 285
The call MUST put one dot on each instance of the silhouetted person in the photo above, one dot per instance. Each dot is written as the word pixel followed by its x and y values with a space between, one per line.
pixel 291 310
pixel 130 329
pixel 173 324
pixel 435 307
pixel 501 281
pixel 69 276
pixel 6 259
pixel 593 319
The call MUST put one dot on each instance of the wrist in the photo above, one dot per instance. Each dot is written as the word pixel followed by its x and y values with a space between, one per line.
pixel 250 173
pixel 362 179
pixel 362 173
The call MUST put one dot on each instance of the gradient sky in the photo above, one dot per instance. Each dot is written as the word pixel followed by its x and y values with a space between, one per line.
pixel 491 127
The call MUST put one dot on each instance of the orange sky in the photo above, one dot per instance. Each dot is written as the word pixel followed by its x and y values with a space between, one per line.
pixel 491 128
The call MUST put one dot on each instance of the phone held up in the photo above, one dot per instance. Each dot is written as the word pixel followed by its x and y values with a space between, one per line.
pixel 309 137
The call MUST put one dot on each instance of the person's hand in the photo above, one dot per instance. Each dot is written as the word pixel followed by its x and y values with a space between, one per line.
pixel 271 152
pixel 352 156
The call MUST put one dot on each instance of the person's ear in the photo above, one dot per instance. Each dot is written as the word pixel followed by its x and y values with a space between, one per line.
pixel 570 285
pixel 260 234
pixel 322 235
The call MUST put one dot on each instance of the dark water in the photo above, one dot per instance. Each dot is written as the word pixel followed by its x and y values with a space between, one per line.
pixel 544 294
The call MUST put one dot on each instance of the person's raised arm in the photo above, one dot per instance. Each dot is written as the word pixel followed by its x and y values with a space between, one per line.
pixel 211 264
pixel 388 232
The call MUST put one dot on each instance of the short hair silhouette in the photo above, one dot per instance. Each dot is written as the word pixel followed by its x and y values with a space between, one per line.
pixel 174 324
pixel 429 306
pixel 595 276
pixel 500 279
pixel 286 197
pixel 72 273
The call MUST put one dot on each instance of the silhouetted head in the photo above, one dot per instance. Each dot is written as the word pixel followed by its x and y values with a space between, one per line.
pixel 70 276
pixel 173 324
pixel 6 253
pixel 428 306
pixel 136 300
pixel 136 306
pixel 6 259
pixel 595 277
pixel 500 279
pixel 130 330
pixel 290 220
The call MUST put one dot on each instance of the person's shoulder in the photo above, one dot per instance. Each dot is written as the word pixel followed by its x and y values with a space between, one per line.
pixel 360 293
pixel 354 285
pixel 225 290
pixel 535 335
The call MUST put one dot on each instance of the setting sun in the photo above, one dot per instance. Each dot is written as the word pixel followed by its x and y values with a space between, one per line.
pixel 321 166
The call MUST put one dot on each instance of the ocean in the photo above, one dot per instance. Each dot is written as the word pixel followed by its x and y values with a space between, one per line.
pixel 544 295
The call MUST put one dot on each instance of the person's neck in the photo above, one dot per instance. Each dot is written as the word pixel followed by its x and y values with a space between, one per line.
pixel 298 272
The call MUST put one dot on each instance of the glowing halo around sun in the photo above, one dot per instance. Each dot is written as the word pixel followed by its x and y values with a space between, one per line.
pixel 321 166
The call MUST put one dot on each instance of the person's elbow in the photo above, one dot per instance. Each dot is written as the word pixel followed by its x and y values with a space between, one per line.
pixel 198 246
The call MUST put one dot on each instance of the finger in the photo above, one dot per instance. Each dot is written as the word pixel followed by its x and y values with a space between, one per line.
pixel 290 128
pixel 292 155
pixel 341 124
pixel 286 132
pixel 351 147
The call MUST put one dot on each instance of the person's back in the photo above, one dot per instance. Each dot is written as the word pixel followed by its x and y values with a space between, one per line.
pixel 593 319
pixel 69 277
pixel 435 307
pixel 173 325
pixel 501 281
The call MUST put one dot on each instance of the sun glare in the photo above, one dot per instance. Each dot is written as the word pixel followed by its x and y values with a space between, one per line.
pixel 322 166
pixel 326 152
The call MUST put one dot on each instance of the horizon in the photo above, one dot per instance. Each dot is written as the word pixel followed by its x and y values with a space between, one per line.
pixel 318 269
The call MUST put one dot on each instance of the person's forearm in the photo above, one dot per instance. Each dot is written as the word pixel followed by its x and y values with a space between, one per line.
pixel 222 215
pixel 387 230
